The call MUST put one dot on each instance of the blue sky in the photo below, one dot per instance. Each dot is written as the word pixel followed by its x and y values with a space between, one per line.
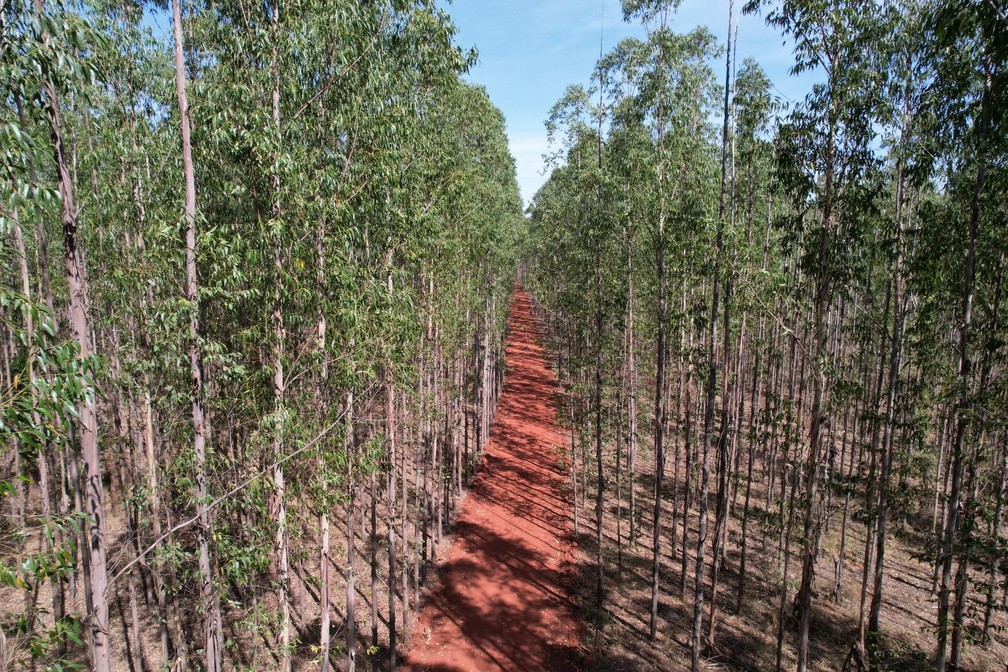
pixel 530 50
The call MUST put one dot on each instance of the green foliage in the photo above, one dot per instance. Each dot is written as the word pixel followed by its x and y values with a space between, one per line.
pixel 365 231
pixel 380 199
pixel 851 219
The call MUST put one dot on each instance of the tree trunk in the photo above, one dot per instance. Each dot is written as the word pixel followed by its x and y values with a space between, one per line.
pixel 87 427
pixel 963 406
pixel 885 466
pixel 391 500
pixel 659 434
pixel 712 370
pixel 822 298
pixel 208 592
pixel 349 447
pixel 600 482
pixel 1001 470
pixel 631 404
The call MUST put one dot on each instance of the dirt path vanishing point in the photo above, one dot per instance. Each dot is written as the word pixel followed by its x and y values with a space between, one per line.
pixel 503 600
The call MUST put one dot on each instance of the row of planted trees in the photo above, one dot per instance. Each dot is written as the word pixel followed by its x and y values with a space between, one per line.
pixel 249 396
pixel 798 311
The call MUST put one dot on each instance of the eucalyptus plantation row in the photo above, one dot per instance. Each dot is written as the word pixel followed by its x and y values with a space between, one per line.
pixel 781 332
pixel 254 285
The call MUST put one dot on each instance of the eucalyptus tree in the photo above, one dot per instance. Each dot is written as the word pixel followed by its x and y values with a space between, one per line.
pixel 713 362
pixel 118 151
pixel 629 152
pixel 59 66
pixel 831 132
pixel 901 111
pixel 45 378
pixel 655 88
pixel 208 593
pixel 251 114
pixel 333 146
pixel 970 86
pixel 753 107
pixel 583 125
pixel 674 97
pixel 847 301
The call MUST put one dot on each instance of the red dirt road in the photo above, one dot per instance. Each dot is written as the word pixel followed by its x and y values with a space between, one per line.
pixel 503 600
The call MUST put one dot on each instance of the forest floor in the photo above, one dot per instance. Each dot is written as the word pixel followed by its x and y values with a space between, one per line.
pixel 512 581
pixel 746 638
pixel 503 597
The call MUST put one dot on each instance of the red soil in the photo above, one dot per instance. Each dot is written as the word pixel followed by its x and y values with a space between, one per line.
pixel 504 597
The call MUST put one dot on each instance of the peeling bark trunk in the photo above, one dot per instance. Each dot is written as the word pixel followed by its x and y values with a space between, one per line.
pixel 87 428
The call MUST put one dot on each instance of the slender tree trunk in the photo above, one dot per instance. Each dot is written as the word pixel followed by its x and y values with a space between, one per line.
pixel 963 406
pixel 971 509
pixel 753 424
pixel 53 538
pixel 724 466
pixel 325 606
pixel 208 592
pixel 600 489
pixel 619 479
pixel 961 584
pixel 574 460
pixel 687 470
pixel 885 466
pixel 631 402
pixel 998 468
pixel 87 424
pixel 279 385
pixel 402 509
pixel 940 487
pixel 390 437
pixel 373 496
pixel 351 616
pixel 782 605
pixel 324 618
pixel 659 433
pixel 713 364
pixel 822 299
pixel 1001 471
pixel 350 594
